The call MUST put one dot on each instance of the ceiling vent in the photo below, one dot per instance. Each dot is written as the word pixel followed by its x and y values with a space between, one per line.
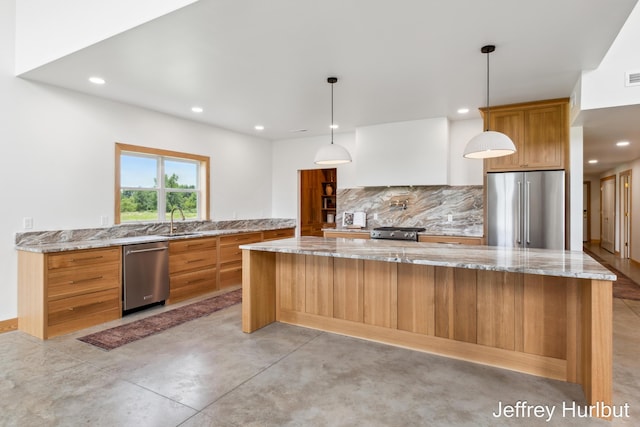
pixel 632 78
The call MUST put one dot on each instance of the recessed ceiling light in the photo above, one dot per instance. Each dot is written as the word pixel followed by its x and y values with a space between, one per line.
pixel 197 109
pixel 463 111
pixel 622 143
pixel 97 80
pixel 258 127
pixel 333 126
pixel 593 161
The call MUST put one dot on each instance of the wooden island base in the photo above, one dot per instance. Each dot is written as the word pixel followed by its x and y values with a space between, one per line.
pixel 554 327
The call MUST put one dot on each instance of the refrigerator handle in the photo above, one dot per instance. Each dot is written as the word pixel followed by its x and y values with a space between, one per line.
pixel 527 213
pixel 519 216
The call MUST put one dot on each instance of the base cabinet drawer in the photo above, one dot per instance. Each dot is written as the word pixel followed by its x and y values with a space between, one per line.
pixel 231 274
pixel 278 234
pixel 66 282
pixel 78 312
pixel 460 240
pixel 191 284
pixel 230 257
pixel 82 258
pixel 189 261
pixel 347 235
pixel 230 253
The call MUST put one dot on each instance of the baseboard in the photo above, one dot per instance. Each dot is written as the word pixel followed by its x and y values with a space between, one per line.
pixel 8 325
pixel 595 241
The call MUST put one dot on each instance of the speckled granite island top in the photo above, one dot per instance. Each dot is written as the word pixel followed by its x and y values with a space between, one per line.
pixel 529 261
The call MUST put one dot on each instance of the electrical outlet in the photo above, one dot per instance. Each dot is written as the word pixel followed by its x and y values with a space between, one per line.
pixel 449 218
pixel 104 220
pixel 375 216
pixel 27 223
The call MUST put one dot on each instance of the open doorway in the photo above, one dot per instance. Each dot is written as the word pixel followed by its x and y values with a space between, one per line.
pixel 318 201
pixel 625 214
pixel 608 213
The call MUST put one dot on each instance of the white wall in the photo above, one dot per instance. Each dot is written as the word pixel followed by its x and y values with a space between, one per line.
pixel 58 160
pixel 604 87
pixel 292 155
pixel 576 182
pixel 47 30
pixel 464 171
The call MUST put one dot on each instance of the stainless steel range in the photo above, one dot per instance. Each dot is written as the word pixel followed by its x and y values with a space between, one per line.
pixel 397 233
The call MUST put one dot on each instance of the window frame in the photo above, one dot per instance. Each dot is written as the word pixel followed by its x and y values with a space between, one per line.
pixel 203 178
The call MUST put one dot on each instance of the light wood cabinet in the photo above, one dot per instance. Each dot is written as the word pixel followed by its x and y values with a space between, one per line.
pixel 192 267
pixel 278 234
pixel 539 130
pixel 230 257
pixel 63 292
pixel 347 234
pixel 461 240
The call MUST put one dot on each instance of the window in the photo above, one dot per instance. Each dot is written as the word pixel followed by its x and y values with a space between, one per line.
pixel 151 182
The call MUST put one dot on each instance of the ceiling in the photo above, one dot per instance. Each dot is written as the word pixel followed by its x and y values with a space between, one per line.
pixel 266 62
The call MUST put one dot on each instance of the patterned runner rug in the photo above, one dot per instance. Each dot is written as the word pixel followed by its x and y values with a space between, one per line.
pixel 124 334
pixel 624 287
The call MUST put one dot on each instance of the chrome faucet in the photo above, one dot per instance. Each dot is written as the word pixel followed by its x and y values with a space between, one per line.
pixel 171 228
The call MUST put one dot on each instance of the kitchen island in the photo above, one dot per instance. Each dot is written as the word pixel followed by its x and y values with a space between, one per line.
pixel 542 312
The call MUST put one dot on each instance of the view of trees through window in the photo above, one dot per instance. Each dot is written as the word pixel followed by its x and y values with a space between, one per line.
pixel 143 196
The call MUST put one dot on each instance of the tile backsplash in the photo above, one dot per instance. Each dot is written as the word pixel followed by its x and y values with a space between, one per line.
pixel 430 207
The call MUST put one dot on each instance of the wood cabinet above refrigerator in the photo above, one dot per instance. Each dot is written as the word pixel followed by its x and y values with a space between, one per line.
pixel 540 131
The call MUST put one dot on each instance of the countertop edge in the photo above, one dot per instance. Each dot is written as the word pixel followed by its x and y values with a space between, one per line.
pixel 133 240
pixel 539 271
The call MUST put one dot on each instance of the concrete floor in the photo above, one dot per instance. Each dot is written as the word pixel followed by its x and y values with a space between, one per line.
pixel 208 373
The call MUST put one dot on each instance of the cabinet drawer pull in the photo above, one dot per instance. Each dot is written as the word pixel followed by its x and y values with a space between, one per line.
pixel 194 245
pixel 195 260
pixel 86 305
pixel 190 282
pixel 89 258
pixel 90 279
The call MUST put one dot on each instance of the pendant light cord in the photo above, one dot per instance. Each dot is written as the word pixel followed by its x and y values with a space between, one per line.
pixel 332 113
pixel 488 109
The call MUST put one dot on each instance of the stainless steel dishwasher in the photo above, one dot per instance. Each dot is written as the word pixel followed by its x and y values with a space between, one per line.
pixel 145 271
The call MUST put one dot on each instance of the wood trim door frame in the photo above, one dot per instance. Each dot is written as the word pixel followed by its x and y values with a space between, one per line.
pixel 626 222
pixel 613 214
pixel 587 211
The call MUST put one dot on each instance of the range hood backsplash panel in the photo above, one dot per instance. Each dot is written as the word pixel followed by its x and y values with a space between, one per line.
pixel 418 206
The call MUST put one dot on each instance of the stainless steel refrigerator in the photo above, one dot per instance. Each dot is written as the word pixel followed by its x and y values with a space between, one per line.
pixel 526 209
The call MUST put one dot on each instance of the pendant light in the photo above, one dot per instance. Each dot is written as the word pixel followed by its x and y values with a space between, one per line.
pixel 489 143
pixel 332 154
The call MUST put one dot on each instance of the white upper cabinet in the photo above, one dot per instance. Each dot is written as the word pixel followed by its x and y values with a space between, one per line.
pixel 403 153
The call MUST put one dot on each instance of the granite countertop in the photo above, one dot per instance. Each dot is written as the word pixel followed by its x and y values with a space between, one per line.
pixel 104 242
pixel 530 261
pixel 367 230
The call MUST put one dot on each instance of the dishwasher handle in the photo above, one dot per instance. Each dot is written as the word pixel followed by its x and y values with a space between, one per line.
pixel 137 251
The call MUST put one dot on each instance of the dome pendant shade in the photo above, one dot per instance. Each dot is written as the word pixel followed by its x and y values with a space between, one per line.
pixel 332 154
pixel 489 144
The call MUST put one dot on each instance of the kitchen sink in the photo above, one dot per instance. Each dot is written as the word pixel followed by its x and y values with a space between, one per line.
pixel 186 233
